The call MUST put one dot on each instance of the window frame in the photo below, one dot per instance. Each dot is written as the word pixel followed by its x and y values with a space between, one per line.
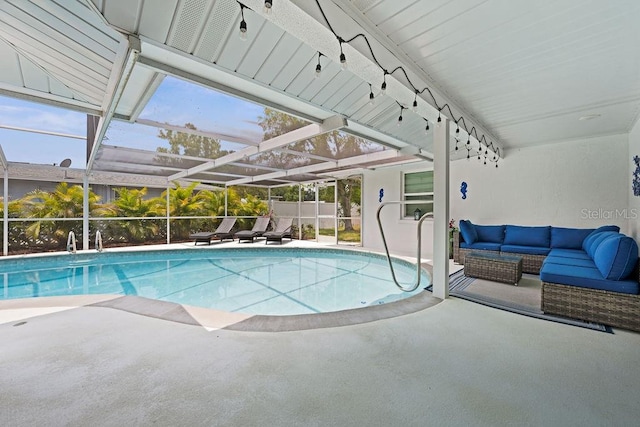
pixel 407 196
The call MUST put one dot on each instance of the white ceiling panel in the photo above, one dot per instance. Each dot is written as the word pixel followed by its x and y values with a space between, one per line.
pixel 260 50
pixel 278 59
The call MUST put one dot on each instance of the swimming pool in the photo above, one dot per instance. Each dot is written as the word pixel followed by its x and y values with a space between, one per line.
pixel 283 281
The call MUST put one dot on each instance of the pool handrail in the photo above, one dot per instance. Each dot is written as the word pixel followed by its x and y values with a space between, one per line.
pixel 71 242
pixel 418 252
pixel 98 241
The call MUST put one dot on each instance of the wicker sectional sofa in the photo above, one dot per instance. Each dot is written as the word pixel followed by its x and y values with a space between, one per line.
pixel 586 274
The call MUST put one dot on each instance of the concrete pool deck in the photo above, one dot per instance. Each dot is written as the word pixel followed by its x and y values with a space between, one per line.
pixel 455 363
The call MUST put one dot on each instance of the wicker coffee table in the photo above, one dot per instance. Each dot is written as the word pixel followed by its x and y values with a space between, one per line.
pixel 495 267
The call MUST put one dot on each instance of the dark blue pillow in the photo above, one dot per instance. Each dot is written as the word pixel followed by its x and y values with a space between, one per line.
pixel 587 240
pixel 468 231
pixel 592 245
pixel 490 233
pixel 616 257
pixel 527 236
pixel 569 238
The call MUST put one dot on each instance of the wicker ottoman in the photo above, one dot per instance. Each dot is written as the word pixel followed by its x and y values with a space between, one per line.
pixel 495 267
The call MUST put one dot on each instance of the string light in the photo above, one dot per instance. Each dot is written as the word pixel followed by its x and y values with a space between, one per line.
pixel 400 116
pixel 318 67
pixel 459 120
pixel 268 4
pixel 372 98
pixel 243 23
pixel 343 58
pixel 426 129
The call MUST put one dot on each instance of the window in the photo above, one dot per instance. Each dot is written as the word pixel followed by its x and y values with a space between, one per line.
pixel 417 186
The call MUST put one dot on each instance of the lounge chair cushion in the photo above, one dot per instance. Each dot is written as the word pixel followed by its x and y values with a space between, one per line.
pixel 490 233
pixel 468 231
pixel 616 257
pixel 527 236
pixel 569 238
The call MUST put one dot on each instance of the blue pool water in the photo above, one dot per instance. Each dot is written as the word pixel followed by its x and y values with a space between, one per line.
pixel 280 281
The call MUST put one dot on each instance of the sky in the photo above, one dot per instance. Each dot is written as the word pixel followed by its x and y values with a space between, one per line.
pixel 175 102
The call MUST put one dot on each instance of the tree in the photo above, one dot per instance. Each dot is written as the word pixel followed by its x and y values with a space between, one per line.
pixel 188 144
pixel 132 203
pixel 334 144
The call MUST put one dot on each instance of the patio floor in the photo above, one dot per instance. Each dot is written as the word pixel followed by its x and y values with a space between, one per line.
pixel 456 363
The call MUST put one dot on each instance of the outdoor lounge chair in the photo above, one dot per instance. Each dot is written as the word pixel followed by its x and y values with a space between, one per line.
pixel 222 232
pixel 259 227
pixel 283 230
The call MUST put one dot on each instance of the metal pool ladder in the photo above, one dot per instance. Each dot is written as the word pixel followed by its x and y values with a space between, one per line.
pixel 419 250
pixel 98 241
pixel 71 242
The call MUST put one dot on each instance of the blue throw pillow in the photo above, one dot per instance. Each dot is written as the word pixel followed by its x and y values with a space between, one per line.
pixel 468 231
pixel 616 257
pixel 527 236
pixel 594 241
pixel 569 238
pixel 490 233
pixel 587 240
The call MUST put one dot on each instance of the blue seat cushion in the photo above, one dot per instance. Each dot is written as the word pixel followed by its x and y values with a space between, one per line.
pixel 527 236
pixel 468 231
pixel 596 239
pixel 616 257
pixel 521 249
pixel 490 233
pixel 587 240
pixel 585 277
pixel 569 253
pixel 485 246
pixel 555 259
pixel 569 238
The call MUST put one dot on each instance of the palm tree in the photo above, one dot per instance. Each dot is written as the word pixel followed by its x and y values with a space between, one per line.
pixel 132 203
pixel 183 201
pixel 64 202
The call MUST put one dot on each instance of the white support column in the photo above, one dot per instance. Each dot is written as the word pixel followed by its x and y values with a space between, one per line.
pixel 5 224
pixel 335 211
pixel 317 220
pixel 226 199
pixel 441 209
pixel 299 211
pixel 85 212
pixel 168 214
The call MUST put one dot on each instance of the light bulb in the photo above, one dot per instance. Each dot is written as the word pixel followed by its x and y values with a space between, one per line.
pixel 343 61
pixel 415 105
pixel 268 4
pixel 318 70
pixel 243 30
pixel 372 99
pixel 400 119
pixel 383 88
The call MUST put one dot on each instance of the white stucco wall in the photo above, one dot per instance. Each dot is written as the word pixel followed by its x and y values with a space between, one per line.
pixel 583 183
pixel 634 201
pixel 572 184
pixel 400 233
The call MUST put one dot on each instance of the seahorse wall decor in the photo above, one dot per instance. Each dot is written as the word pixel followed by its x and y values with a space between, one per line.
pixel 635 182
pixel 380 195
pixel 463 190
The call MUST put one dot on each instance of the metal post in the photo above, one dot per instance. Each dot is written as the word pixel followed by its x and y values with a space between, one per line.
pixel 226 199
pixel 299 211
pixel 168 215
pixel 441 209
pixel 5 224
pixel 335 210
pixel 317 210
pixel 85 213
